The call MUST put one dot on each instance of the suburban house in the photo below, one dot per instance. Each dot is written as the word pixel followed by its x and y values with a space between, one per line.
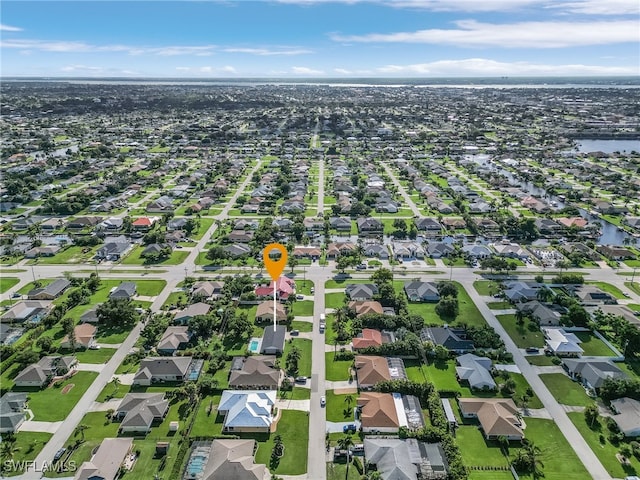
pixel 561 343
pixel 27 311
pixel 428 224
pixel 371 369
pixel 193 310
pixel 519 291
pixel 247 410
pixel 162 369
pixel 313 253
pixel 254 372
pixel 363 307
pixel 497 416
pixel 368 337
pixel 369 225
pixel 12 411
pixel 340 223
pixel 418 291
pixel 51 291
pixel 511 250
pixel 42 251
pixel 377 412
pixel 614 252
pixel 590 295
pixel 627 416
pixel 41 372
pixel 264 312
pixel 543 313
pixel 206 289
pixel 143 223
pixel 113 248
pixel 137 412
pixel 406 458
pixel 591 372
pixel 232 459
pixel 124 290
pixel 439 249
pixel 376 251
pixel 284 288
pixel 476 371
pixel 273 340
pixel 85 337
pixel 173 339
pixel 91 315
pixel 106 462
pixel 361 291
pixel 453 339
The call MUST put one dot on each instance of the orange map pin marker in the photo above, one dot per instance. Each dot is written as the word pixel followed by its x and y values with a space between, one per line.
pixel 275 267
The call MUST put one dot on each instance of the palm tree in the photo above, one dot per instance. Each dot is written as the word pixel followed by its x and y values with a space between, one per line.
pixel 345 443
pixel 8 450
pixel 544 294
pixel 116 384
pixel 80 431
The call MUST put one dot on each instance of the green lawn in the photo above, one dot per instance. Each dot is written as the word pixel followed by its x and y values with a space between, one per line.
pixel 605 451
pixel 174 298
pixel 303 308
pixel 30 286
pixel 303 287
pixel 499 305
pixel 205 224
pixel 338 408
pixel 559 459
pixel 150 288
pixel 565 390
pixel 607 287
pixel 302 326
pixel 41 401
pixel 112 335
pixel 468 312
pixel 592 345
pixel 338 471
pixel 635 286
pixel 523 336
pixel 28 446
pixel 94 356
pixel 71 254
pixel 486 287
pixel 415 371
pixel 134 258
pixel 293 427
pixel 540 360
pixel 298 393
pixel 476 450
pixel 334 300
pixel 7 282
pixel 343 283
pixel 336 370
pixel 304 364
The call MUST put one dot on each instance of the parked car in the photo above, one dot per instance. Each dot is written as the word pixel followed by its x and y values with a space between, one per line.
pixel 361 267
pixel 349 428
pixel 313 290
pixel 532 350
pixel 295 332
pixel 301 379
pixel 323 401
pixel 299 297
pixel 59 454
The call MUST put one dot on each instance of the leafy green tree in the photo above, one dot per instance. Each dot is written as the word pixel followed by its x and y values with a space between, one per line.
pixel 447 308
pixel 117 312
pixel 591 414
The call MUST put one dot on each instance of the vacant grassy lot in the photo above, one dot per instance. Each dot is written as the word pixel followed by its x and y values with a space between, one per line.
pixel 134 258
pixel 524 336
pixel 336 370
pixel 540 360
pixel 150 288
pixel 486 287
pixel 339 408
pixel 334 300
pixel 592 345
pixel 303 287
pixel 565 390
pixel 338 471
pixel 303 308
pixel 7 282
pixel 604 450
pixel 476 451
pixel 304 364
pixel 94 356
pixel 28 446
pixel 468 312
pixel 71 254
pixel 302 326
pixel 41 401
pixel 293 427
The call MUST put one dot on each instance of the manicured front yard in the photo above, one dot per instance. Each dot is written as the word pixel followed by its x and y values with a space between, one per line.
pixel 334 300
pixel 604 450
pixel 486 287
pixel 93 356
pixel 134 258
pixel 499 305
pixel 524 336
pixel 540 360
pixel 607 287
pixel 476 451
pixel 41 401
pixel 150 288
pixel 565 390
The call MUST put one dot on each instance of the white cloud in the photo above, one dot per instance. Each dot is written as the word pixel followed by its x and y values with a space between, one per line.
pixel 342 71
pixel 228 69
pixel 487 67
pixel 306 71
pixel 266 51
pixel 9 28
pixel 471 33
pixel 600 7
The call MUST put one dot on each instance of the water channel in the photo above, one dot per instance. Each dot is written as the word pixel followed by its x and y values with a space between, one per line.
pixel 610 235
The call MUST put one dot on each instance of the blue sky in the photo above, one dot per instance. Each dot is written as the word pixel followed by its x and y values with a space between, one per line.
pixel 320 38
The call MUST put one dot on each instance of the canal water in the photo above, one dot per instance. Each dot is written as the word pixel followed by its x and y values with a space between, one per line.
pixel 608 146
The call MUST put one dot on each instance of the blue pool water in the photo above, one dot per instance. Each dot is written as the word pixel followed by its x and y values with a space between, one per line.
pixel 254 346
pixel 196 464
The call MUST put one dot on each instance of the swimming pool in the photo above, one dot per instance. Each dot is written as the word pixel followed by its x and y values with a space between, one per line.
pixel 254 345
pixel 196 464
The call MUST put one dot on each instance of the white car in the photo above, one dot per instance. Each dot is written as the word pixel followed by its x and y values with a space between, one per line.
pixel 323 401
